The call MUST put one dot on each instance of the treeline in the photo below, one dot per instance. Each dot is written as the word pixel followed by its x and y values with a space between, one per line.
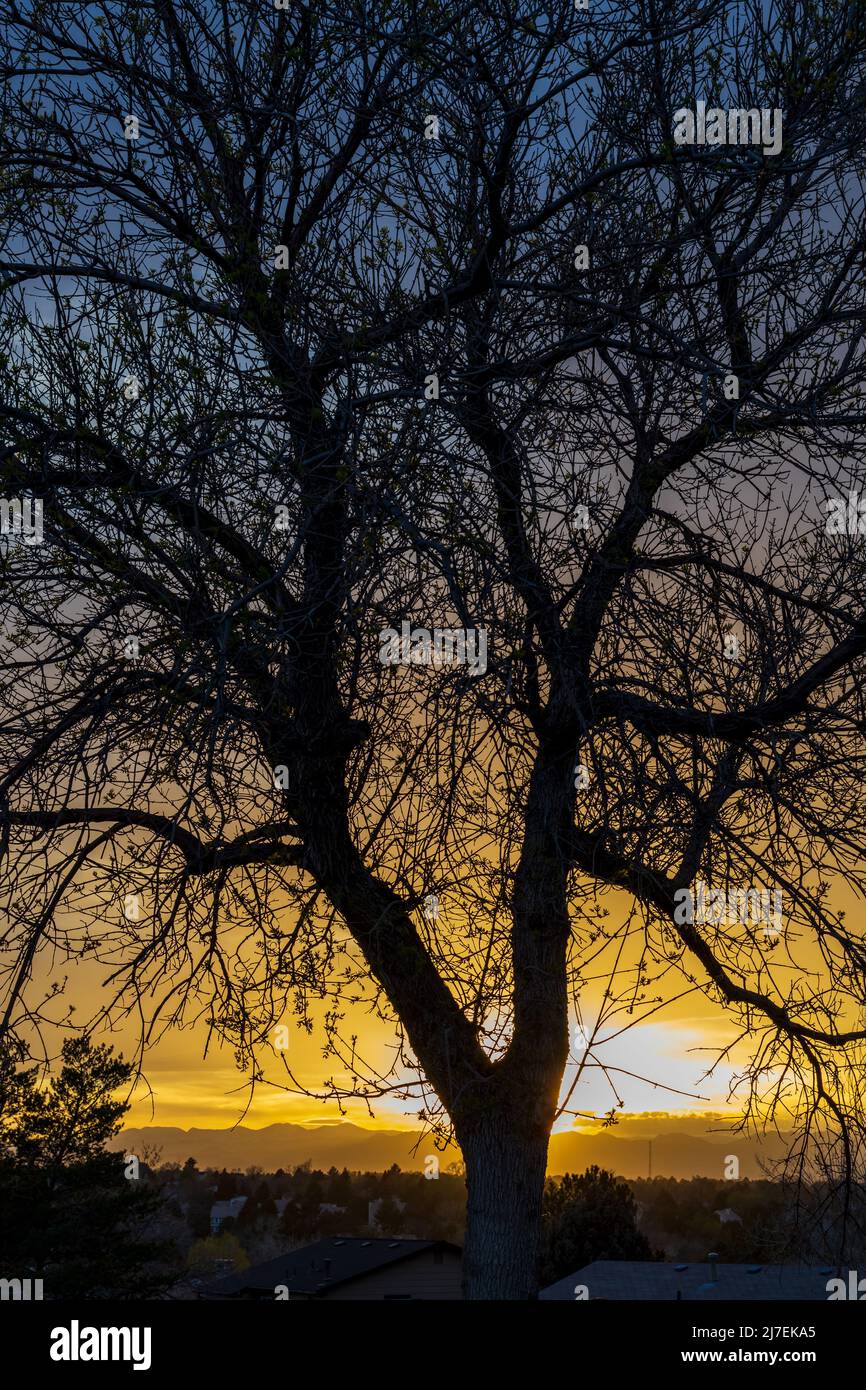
pixel 587 1216
pixel 306 1203
pixel 748 1221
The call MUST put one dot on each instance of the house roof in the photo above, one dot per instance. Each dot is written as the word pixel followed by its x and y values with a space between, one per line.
pixel 644 1280
pixel 323 1265
pixel 232 1206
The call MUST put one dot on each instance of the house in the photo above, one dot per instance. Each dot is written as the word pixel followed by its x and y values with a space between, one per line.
pixel 222 1211
pixel 727 1214
pixel 646 1281
pixel 375 1206
pixel 350 1268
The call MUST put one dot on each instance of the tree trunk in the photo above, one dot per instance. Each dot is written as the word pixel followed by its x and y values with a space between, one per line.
pixel 505 1169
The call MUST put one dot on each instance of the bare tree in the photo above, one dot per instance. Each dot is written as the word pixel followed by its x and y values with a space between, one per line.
pixel 320 321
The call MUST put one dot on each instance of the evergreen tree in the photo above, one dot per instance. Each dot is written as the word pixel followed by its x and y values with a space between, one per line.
pixel 586 1217
pixel 71 1212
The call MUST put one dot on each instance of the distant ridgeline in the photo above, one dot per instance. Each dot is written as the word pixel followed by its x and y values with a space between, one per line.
pixel 677 1149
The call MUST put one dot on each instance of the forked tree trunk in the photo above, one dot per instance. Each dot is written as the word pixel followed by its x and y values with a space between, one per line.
pixel 502 1112
pixel 505 1169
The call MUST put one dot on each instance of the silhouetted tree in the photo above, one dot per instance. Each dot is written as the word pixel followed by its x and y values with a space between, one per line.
pixel 226 1187
pixel 71 1213
pixel 588 1216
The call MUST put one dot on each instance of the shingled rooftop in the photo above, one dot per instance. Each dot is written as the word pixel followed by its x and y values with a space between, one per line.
pixel 315 1270
pixel 645 1281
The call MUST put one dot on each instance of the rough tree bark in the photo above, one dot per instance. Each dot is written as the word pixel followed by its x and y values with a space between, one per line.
pixel 506 1160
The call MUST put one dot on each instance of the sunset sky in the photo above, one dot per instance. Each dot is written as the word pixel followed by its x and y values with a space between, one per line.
pixel 674 1048
pixel 182 1087
pixel 191 1092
